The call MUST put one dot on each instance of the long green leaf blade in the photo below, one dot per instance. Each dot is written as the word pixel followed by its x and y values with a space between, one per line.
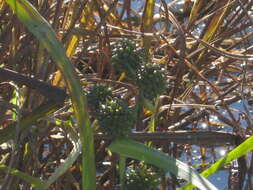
pixel 35 182
pixel 64 166
pixel 241 150
pixel 139 151
pixel 45 34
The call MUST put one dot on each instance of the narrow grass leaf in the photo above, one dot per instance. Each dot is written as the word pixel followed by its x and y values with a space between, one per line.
pixel 45 34
pixel 27 121
pixel 216 22
pixel 65 165
pixel 213 27
pixel 236 153
pixel 196 8
pixel 35 182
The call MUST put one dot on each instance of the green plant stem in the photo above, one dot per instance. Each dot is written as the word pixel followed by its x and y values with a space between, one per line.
pixel 122 170
pixel 45 34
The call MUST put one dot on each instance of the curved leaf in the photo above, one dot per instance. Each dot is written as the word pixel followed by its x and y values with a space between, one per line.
pixel 45 34
pixel 139 151
pixel 35 182
pixel 236 153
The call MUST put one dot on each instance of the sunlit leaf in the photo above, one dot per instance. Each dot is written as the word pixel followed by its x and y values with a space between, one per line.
pixel 241 150
pixel 214 25
pixel 45 34
pixel 149 155
pixel 197 6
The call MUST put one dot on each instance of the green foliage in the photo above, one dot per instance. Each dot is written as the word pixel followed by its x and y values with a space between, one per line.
pixel 127 57
pixel 41 29
pixel 151 80
pixel 141 178
pixel 136 150
pixel 37 183
pixel 205 49
pixel 98 94
pixel 234 154
pixel 116 118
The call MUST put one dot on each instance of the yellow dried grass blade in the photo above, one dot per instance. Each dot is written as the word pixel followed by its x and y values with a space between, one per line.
pixel 122 76
pixel 197 6
pixel 86 20
pixel 112 17
pixel 1 4
pixel 214 26
pixel 72 46
pixel 216 22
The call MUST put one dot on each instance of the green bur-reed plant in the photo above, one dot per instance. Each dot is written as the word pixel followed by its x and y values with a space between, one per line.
pixel 116 118
pixel 127 57
pixel 141 178
pixel 151 80
pixel 97 95
pixel 149 77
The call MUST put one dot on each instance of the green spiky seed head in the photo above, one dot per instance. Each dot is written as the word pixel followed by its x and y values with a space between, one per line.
pixel 116 118
pixel 127 57
pixel 151 80
pixel 141 178
pixel 98 94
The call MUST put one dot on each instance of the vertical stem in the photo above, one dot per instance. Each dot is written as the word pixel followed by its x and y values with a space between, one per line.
pixel 122 170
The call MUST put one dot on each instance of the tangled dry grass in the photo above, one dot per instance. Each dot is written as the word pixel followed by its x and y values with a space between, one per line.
pixel 205 48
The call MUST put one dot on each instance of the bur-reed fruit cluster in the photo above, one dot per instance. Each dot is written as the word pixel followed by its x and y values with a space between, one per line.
pixel 115 117
pixel 149 77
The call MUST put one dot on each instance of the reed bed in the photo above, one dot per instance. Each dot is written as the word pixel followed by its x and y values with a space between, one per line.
pixel 52 57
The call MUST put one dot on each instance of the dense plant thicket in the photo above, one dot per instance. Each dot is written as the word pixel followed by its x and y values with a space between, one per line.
pixel 82 81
